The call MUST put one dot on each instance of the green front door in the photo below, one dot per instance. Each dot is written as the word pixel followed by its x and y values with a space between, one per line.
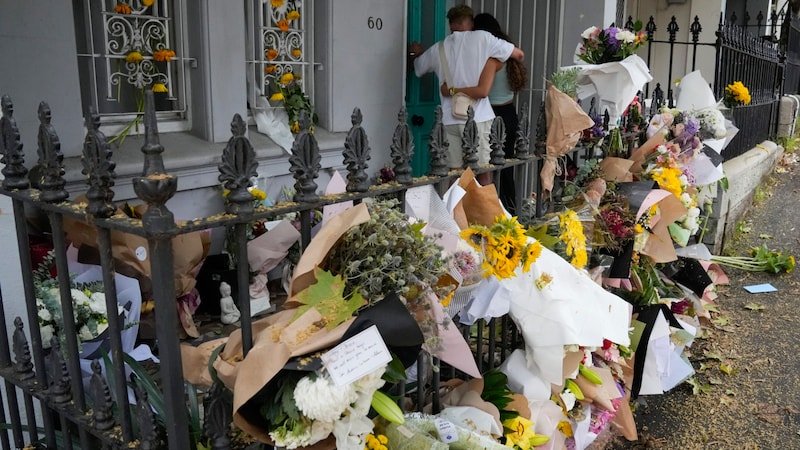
pixel 427 24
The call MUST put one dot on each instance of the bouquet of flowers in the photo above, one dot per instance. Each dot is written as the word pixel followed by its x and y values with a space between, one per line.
pixel 290 92
pixel 736 94
pixel 712 123
pixel 504 247
pixel 600 46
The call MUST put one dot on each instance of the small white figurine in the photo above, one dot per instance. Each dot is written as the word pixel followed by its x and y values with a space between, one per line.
pixel 229 313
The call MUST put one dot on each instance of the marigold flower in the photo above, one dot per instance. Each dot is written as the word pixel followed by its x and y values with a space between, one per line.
pixel 293 15
pixel 272 54
pixel 122 8
pixel 287 78
pixel 160 87
pixel 283 24
pixel 296 52
pixel 276 3
pixel 134 57
pixel 277 97
pixel 164 55
pixel 270 69
pixel 148 2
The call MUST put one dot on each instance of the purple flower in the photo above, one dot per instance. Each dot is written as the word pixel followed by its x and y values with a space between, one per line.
pixel 611 34
pixel 692 125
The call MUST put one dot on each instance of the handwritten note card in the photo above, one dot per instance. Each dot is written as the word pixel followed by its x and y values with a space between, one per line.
pixel 358 356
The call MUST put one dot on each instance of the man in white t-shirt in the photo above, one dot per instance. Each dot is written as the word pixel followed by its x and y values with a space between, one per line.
pixel 466 52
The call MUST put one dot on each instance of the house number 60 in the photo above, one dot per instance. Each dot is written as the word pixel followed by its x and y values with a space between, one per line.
pixel 376 23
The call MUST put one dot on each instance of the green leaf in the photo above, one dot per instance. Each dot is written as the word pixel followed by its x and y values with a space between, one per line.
pixel 721 321
pixel 395 372
pixel 754 307
pixel 327 297
pixel 540 234
pixel 144 379
pixel 726 369
pixel 723 182
pixel 766 236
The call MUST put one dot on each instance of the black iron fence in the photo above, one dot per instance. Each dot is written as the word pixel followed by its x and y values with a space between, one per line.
pixel 92 415
pixel 741 53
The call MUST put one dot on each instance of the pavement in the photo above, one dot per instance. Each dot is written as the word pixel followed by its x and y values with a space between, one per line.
pixel 746 390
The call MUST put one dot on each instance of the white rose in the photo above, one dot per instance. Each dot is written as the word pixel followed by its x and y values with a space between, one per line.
pixel 84 334
pixel 97 302
pixel 626 36
pixel 44 314
pixel 587 33
pixel 79 297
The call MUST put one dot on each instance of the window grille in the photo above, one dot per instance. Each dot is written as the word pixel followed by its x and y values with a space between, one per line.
pixel 276 46
pixel 126 47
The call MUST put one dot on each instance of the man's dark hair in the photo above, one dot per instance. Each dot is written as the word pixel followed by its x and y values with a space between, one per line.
pixel 459 12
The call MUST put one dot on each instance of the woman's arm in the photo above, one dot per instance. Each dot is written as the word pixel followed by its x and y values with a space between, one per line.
pixel 484 82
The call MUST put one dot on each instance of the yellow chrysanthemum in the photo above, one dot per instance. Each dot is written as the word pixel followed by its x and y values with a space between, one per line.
pixel 277 97
pixel 122 8
pixel 296 52
pixel 148 2
pixel 293 15
pixel 572 235
pixel 638 228
pixel 283 25
pixel 160 87
pixel 134 57
pixel 287 78
pixel 257 194
pixel 276 3
pixel 272 54
pixel 668 178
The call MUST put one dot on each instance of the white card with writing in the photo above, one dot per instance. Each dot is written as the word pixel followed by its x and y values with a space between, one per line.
pixel 360 355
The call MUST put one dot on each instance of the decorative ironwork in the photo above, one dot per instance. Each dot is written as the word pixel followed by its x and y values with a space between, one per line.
pixel 672 29
pixel 59 389
pixel 522 142
pixel 237 168
pixel 22 352
pixel 402 149
pixel 218 416
pixel 541 130
pixel 98 167
pixel 497 142
pixel 470 140
pixel 137 38
pixel 148 433
pixel 695 29
pixel 155 186
pixel 279 47
pixel 102 406
pixel 14 171
pixel 438 146
pixel 650 28
pixel 658 100
pixel 305 162
pixel 356 154
pixel 51 160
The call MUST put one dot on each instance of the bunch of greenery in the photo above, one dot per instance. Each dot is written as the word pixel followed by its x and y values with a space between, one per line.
pixel 387 254
pixel 566 80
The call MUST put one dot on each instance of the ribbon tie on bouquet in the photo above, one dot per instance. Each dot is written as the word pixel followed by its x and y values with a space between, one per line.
pixel 565 122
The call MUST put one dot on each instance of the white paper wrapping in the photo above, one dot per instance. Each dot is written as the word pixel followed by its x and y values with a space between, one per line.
pixel 614 83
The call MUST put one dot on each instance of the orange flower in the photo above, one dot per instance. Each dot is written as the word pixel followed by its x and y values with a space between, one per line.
pixel 160 87
pixel 148 2
pixel 164 55
pixel 270 69
pixel 293 15
pixel 283 24
pixel 122 8
pixel 296 52
pixel 134 57
pixel 277 3
pixel 272 54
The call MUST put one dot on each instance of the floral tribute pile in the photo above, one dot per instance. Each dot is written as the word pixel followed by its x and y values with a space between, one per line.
pixel 606 292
